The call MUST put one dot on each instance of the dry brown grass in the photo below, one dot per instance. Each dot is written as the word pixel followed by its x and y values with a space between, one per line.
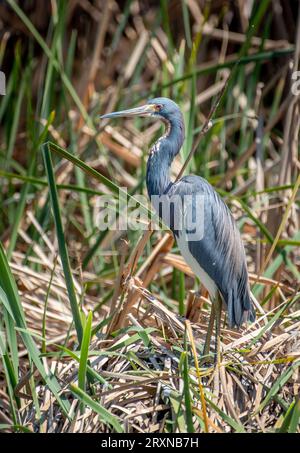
pixel 143 381
pixel 139 341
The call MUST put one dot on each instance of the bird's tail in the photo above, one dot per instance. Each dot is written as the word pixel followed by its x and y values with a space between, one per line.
pixel 252 314
pixel 240 308
pixel 249 311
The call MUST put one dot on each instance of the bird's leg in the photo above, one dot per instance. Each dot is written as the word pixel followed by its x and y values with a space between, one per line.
pixel 209 331
pixel 218 304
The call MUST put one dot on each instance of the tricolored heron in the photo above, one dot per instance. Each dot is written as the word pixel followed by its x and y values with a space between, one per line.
pixel 218 258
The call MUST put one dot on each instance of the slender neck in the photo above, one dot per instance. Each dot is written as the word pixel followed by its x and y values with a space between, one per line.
pixel 161 156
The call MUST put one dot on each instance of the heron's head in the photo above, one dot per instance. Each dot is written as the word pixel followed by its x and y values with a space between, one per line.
pixel 162 108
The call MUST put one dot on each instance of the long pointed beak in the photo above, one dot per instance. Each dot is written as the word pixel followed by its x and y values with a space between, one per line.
pixel 144 110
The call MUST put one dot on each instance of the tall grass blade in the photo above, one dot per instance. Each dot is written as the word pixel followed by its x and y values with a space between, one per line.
pixel 8 285
pixel 105 416
pixel 62 243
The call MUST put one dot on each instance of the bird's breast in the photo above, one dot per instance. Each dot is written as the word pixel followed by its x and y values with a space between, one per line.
pixel 205 279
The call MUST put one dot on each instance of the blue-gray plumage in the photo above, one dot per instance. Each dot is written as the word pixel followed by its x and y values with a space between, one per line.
pixel 218 259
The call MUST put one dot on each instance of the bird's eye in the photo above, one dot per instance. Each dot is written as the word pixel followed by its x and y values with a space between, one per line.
pixel 158 107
